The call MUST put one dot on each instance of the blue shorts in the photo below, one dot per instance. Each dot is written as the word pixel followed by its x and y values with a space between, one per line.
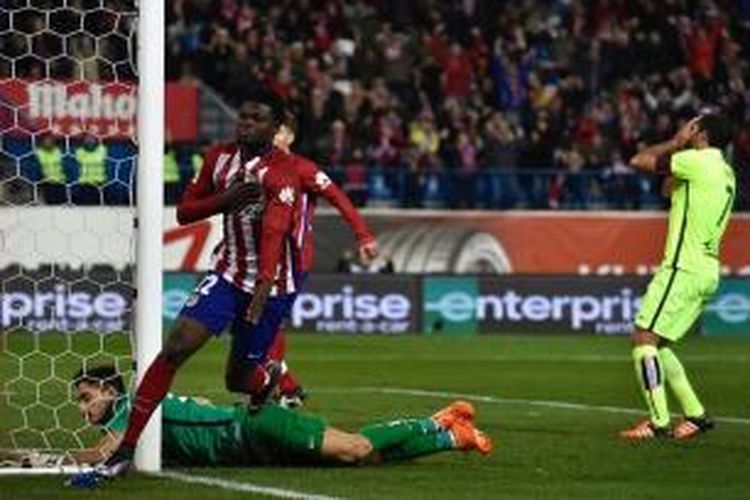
pixel 219 305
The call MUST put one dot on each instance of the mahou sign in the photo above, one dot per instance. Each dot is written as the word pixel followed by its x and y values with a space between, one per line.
pixel 105 109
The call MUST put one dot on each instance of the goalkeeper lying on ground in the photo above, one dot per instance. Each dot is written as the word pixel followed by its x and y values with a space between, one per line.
pixel 196 432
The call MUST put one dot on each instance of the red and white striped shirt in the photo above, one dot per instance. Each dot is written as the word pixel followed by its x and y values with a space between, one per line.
pixel 257 243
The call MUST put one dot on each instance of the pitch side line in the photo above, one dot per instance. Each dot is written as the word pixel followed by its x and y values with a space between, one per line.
pixel 558 405
pixel 240 486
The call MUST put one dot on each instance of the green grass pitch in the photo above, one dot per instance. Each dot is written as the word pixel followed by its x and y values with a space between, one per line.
pixel 520 386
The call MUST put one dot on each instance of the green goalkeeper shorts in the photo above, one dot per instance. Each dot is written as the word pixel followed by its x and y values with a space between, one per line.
pixel 277 436
pixel 673 302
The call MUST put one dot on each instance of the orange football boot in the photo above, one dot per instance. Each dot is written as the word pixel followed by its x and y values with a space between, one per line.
pixel 457 411
pixel 691 427
pixel 645 430
pixel 467 437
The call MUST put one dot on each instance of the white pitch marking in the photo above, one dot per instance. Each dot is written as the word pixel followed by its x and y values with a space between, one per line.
pixel 240 486
pixel 586 358
pixel 561 405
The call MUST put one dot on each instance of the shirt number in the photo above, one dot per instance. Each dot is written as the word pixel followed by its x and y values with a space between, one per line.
pixel 727 206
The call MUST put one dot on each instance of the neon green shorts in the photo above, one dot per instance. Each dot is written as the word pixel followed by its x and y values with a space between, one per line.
pixel 673 301
pixel 277 436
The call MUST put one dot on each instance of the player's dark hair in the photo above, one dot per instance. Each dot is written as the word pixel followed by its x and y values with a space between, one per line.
pixel 105 375
pixel 717 128
pixel 264 95
pixel 290 120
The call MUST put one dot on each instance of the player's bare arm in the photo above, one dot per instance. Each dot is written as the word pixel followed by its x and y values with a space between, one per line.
pixel 97 453
pixel 655 159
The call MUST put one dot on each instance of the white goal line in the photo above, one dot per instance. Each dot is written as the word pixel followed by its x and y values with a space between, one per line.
pixel 243 487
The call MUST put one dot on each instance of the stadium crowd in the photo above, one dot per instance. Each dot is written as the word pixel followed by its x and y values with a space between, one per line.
pixel 461 103
pixel 426 98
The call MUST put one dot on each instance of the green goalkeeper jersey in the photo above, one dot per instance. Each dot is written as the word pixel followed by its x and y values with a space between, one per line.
pixel 194 431
pixel 702 199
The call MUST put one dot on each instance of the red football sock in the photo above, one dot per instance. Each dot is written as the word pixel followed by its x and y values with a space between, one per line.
pixel 278 348
pixel 257 380
pixel 288 382
pixel 149 394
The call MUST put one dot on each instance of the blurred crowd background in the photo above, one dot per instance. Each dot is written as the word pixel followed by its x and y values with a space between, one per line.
pixel 477 103
pixel 533 104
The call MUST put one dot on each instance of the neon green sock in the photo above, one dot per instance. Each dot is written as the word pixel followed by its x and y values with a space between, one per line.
pixel 649 372
pixel 419 446
pixel 678 381
pixel 396 432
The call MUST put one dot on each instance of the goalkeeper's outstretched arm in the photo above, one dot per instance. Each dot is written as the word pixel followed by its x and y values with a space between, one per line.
pixel 37 459
pixel 97 453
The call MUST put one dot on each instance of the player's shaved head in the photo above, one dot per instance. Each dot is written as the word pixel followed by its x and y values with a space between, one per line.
pixel 267 97
pixel 261 112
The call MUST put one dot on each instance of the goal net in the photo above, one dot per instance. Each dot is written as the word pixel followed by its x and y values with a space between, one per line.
pixel 68 151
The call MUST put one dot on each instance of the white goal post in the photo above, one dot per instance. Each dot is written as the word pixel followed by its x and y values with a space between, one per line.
pixel 150 203
pixel 68 70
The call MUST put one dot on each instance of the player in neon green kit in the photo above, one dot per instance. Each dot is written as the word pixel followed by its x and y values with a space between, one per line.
pixel 197 433
pixel 702 195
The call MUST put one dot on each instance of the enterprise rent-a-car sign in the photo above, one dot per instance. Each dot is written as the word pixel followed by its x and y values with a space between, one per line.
pixel 554 304
pixel 57 298
pixel 357 304
pixel 68 299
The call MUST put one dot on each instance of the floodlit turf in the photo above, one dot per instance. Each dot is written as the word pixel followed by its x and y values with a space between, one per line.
pixel 543 449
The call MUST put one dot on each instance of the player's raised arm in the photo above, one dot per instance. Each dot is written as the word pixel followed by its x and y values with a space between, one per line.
pixel 656 158
pixel 316 181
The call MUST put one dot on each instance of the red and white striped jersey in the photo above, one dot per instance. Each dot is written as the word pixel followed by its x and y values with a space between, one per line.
pixel 257 241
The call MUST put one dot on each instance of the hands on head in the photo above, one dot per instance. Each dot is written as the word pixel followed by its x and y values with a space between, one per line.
pixel 687 132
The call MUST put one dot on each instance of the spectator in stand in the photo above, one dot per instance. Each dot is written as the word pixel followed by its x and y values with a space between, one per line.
pixel 91 156
pixel 397 62
pixel 468 163
pixel 425 139
pixel 457 73
pixel 355 179
pixel 500 151
pixel 385 154
pixel 335 148
pixel 53 184
pixel 172 176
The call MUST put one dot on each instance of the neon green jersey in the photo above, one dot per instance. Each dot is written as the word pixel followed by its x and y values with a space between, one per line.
pixel 702 200
pixel 194 432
